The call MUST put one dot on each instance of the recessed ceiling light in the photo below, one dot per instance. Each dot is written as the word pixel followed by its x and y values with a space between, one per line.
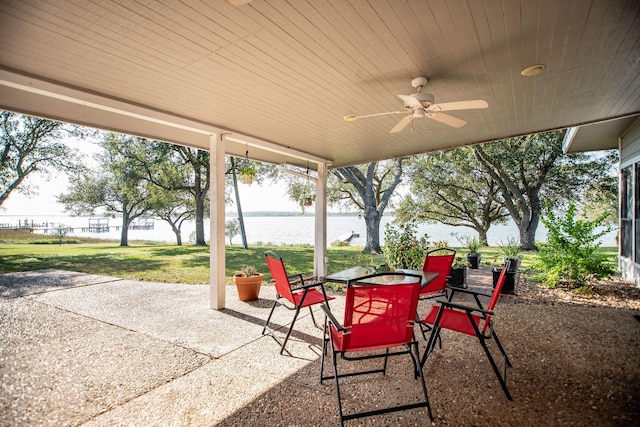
pixel 238 3
pixel 534 70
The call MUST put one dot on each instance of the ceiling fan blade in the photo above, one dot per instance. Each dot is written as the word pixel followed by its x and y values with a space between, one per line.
pixel 352 118
pixel 447 119
pixel 459 105
pixel 410 101
pixel 402 124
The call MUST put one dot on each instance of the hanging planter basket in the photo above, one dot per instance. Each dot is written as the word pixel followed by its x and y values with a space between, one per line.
pixel 247 174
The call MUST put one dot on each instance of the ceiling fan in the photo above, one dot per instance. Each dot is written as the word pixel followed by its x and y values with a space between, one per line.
pixel 420 105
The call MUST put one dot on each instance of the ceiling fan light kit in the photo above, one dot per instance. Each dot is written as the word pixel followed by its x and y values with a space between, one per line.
pixel 420 105
pixel 534 70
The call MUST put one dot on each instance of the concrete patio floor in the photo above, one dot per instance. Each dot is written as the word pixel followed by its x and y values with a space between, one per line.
pixel 80 349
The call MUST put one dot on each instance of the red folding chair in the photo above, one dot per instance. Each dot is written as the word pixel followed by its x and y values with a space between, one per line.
pixel 470 320
pixel 298 296
pixel 441 264
pixel 377 316
pixel 440 261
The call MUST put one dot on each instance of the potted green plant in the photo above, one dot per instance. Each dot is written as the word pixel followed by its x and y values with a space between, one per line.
pixel 510 251
pixel 473 256
pixel 248 282
pixel 458 275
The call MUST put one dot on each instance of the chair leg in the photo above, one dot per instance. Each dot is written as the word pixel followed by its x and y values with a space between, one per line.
pixel 386 359
pixel 293 322
pixel 414 359
pixel 499 344
pixel 334 358
pixel 266 324
pixel 271 332
pixel 435 334
pixel 313 318
pixel 426 328
pixel 325 341
pixel 496 370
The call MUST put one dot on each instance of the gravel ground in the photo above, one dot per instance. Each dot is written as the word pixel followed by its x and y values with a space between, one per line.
pixel 575 362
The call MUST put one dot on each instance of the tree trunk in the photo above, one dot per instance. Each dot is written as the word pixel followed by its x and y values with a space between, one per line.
pixel 178 234
pixel 528 228
pixel 124 233
pixel 482 236
pixel 200 241
pixel 372 223
pixel 200 198
pixel 528 236
pixel 243 233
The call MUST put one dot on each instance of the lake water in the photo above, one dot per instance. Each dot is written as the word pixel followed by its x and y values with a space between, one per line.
pixel 278 230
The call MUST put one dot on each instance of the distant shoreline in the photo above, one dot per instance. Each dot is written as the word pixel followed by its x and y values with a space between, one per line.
pixel 230 214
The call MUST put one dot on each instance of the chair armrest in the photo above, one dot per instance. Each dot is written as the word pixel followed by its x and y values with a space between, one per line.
pixel 469 291
pixel 305 285
pixel 297 276
pixel 332 319
pixel 457 306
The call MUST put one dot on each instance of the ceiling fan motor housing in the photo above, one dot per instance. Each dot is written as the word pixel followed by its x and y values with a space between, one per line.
pixel 426 99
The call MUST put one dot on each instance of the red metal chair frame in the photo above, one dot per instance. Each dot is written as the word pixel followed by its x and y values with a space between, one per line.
pixel 376 317
pixel 299 296
pixel 474 321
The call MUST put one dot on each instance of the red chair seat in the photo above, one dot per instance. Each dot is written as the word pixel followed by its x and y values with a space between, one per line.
pixel 313 297
pixel 454 320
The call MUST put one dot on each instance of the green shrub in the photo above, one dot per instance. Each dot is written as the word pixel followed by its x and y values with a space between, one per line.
pixel 402 248
pixel 510 248
pixel 568 255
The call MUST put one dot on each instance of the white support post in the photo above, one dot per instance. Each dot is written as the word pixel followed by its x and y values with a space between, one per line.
pixel 216 228
pixel 320 252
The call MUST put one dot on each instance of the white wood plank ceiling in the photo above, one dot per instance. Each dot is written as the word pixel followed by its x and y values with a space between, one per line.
pixel 286 72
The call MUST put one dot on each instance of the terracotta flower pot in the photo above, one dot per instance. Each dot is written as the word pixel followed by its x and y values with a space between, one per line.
pixel 248 287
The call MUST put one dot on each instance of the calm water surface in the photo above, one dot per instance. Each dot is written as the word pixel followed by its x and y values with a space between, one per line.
pixel 283 230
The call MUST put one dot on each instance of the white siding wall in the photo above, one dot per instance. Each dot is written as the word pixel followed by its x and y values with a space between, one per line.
pixel 630 155
pixel 630 146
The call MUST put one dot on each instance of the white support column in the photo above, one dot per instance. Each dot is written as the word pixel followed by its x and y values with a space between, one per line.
pixel 320 253
pixel 216 228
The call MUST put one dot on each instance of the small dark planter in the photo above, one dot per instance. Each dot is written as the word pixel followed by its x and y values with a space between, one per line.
pixel 458 277
pixel 509 286
pixel 474 260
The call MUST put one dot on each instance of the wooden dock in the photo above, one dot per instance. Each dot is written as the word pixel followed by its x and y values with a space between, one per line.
pixel 95 225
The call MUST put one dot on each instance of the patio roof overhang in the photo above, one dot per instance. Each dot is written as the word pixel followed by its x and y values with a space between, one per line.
pixel 599 136
pixel 283 74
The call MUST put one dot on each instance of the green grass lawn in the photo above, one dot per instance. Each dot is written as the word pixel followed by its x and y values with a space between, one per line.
pixel 182 264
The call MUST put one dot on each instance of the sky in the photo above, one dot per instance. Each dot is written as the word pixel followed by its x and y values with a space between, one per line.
pixel 252 197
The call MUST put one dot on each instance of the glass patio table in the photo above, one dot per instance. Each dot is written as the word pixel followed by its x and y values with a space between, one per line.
pixel 353 273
